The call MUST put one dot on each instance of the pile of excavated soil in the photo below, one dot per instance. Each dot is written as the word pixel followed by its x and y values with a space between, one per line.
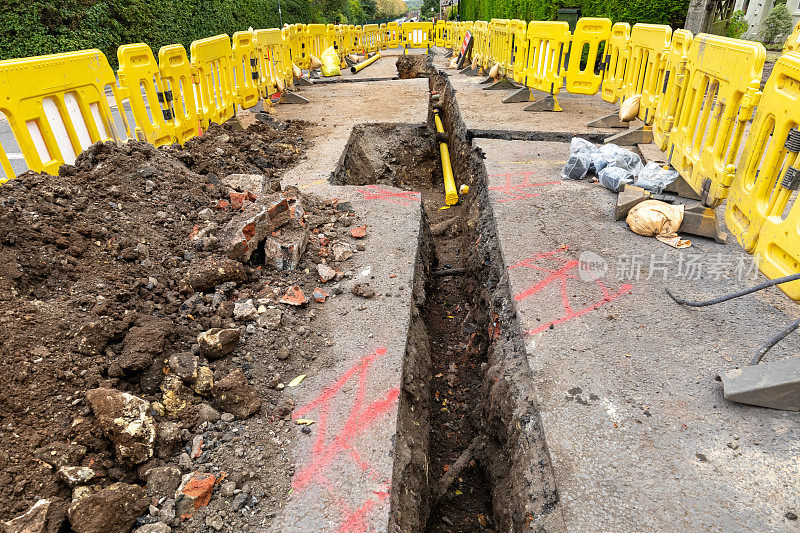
pixel 109 272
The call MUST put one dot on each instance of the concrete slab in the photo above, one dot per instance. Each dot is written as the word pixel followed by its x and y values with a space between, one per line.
pixel 343 473
pixel 483 110
pixel 639 433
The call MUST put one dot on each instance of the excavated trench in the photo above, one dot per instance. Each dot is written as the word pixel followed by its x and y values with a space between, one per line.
pixel 469 454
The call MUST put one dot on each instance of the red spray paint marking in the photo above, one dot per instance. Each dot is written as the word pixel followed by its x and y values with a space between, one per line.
pixel 328 448
pixel 567 271
pixel 518 185
pixel 376 192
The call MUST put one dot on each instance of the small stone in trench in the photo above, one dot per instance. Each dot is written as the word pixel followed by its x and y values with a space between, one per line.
pixel 325 272
pixel 363 290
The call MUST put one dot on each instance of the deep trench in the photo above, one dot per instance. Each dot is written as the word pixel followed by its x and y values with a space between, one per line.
pixel 467 387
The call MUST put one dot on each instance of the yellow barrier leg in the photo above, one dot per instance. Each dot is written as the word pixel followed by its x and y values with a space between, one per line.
pixel 450 193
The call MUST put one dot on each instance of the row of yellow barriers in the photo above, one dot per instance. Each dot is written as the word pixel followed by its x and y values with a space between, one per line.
pixel 57 105
pixel 701 102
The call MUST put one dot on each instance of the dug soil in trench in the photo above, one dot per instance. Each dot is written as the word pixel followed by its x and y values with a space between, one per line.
pixel 406 156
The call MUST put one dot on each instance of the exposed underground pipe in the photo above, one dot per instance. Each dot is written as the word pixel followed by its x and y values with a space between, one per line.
pixel 365 63
pixel 450 193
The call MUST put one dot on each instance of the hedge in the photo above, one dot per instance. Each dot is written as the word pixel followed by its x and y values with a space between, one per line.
pixel 36 27
pixel 672 12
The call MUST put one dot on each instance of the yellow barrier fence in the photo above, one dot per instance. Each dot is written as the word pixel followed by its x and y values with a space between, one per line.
pixel 245 69
pixel 480 50
pixel 176 74
pixel 501 39
pixel 671 87
pixel 519 49
pixel 584 76
pixel 770 156
pixel 140 84
pixel 371 38
pixel 393 38
pixel 439 33
pixel 416 35
pixel 723 77
pixel 762 212
pixel 617 53
pixel 647 62
pixel 547 44
pixel 57 106
pixel 212 62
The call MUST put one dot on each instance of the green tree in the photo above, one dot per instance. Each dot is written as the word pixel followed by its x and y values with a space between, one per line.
pixel 355 14
pixel 428 8
pixel 370 9
pixel 777 24
pixel 737 25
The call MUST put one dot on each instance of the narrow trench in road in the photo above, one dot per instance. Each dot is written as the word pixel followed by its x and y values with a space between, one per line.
pixel 458 350
pixel 454 495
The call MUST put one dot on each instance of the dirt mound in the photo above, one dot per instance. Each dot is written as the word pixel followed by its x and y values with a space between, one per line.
pixel 95 292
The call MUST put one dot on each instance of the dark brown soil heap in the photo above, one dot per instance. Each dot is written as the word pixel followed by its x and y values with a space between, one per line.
pixel 92 253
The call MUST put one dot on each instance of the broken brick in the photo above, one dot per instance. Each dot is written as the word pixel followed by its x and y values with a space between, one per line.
pixel 196 493
pixel 293 296
pixel 319 295
pixel 359 232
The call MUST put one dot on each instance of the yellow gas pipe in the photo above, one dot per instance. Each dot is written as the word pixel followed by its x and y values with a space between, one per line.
pixel 365 63
pixel 450 193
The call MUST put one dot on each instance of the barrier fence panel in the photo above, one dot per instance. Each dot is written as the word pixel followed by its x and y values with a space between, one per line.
pixel 245 69
pixel 382 37
pixel 176 75
pixel 617 53
pixel 314 39
pixel 272 66
pixel 793 41
pixel 480 48
pixel 416 35
pixel 393 38
pixel 371 38
pixel 723 77
pixel 519 49
pixel 649 47
pixel 671 86
pixel 450 32
pixel 547 44
pixel 140 84
pixel 584 74
pixel 439 33
pixel 57 106
pixel 501 46
pixel 297 46
pixel 212 62
pixel 766 180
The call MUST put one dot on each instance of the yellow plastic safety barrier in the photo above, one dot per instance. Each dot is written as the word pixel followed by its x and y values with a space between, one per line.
pixel 480 49
pixel 245 69
pixel 383 36
pixel 416 35
pixel 296 45
pixel 450 34
pixel 617 53
pixel 519 48
pixel 57 106
pixel 547 44
pixel 793 41
pixel 314 40
pixel 176 75
pixel 274 68
pixel 500 43
pixel 439 33
pixel 671 87
pixel 140 84
pixel 766 178
pixel 212 62
pixel 647 62
pixel 584 77
pixel 393 31
pixel 723 76
pixel 371 38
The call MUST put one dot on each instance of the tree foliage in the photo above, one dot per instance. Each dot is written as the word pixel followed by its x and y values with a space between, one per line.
pixel 737 26
pixel 777 24
pixel 672 12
